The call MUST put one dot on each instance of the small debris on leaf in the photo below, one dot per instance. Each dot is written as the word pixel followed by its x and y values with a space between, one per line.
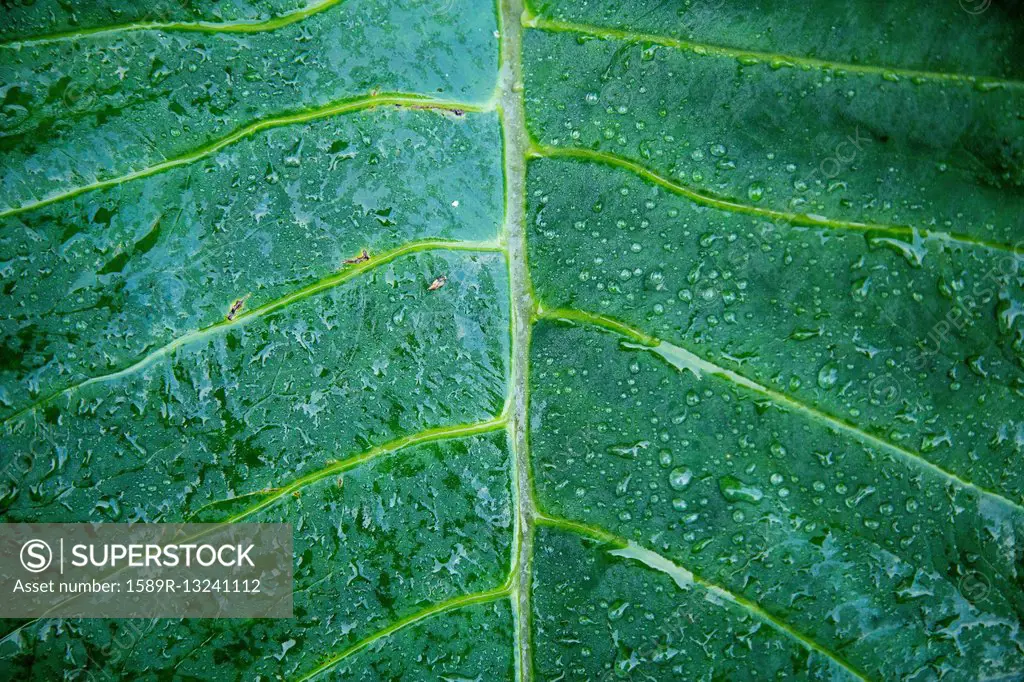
pixel 361 258
pixel 437 283
pixel 236 307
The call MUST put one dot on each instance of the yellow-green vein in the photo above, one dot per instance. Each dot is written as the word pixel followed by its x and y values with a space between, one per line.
pixel 317 287
pixel 783 217
pixel 429 436
pixel 450 605
pixel 685 360
pixel 238 26
pixel 333 109
pixel 774 60
pixel 683 577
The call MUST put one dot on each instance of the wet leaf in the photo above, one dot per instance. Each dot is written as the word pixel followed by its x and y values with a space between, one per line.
pixel 596 340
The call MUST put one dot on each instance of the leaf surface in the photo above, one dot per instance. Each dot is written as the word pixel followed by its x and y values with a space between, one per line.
pixel 577 341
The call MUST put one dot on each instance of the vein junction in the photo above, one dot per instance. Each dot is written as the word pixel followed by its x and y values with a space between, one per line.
pixel 615 546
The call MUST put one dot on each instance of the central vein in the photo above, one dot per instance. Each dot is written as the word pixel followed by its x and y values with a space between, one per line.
pixel 510 84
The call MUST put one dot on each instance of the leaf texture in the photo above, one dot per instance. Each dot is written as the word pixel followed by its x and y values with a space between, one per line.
pixel 603 340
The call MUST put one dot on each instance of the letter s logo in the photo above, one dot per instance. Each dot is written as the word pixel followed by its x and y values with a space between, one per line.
pixel 36 556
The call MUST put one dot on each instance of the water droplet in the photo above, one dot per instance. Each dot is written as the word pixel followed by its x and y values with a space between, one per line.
pixel 679 478
pixel 734 490
pixel 828 375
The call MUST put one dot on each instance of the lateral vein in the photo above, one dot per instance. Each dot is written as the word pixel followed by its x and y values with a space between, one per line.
pixel 437 609
pixel 685 360
pixel 343 107
pixel 317 287
pixel 797 219
pixel 239 26
pixel 684 578
pixel 775 60
pixel 391 447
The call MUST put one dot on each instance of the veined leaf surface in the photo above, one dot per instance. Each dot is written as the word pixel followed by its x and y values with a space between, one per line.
pixel 687 343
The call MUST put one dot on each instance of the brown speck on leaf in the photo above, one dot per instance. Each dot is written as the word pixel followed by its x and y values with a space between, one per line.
pixel 361 258
pixel 458 112
pixel 236 307
pixel 437 283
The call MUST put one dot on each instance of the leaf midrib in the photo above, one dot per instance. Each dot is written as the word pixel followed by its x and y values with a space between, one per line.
pixel 515 139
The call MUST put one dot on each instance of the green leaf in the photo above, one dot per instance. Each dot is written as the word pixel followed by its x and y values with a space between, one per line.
pixel 582 341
